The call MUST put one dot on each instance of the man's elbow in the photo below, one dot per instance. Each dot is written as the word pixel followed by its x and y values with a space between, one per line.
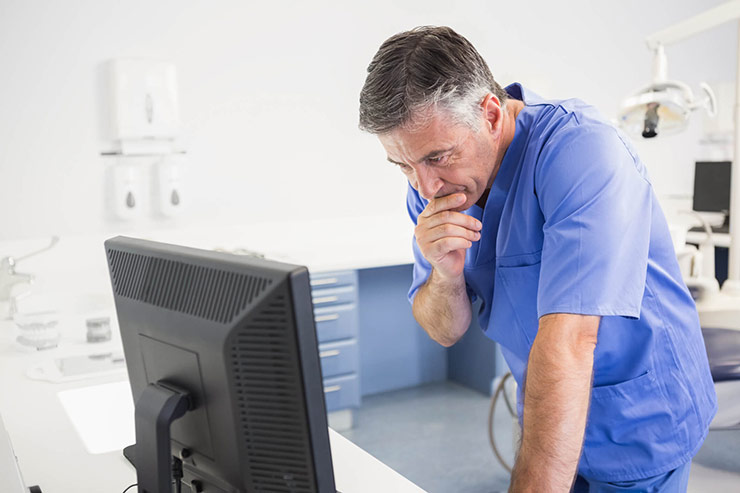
pixel 446 337
pixel 443 327
pixel 446 340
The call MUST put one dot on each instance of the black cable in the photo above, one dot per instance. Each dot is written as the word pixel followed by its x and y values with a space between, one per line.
pixel 177 473
pixel 131 486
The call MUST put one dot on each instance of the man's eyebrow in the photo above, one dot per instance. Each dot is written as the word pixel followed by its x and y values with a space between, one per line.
pixel 427 156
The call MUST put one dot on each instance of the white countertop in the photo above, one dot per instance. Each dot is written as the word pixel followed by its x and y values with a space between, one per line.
pixel 321 244
pixel 53 455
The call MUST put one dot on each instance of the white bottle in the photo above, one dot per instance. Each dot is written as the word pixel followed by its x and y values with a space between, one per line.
pixel 125 190
pixel 167 186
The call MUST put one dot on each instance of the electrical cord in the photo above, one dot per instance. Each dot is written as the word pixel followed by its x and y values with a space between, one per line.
pixel 176 474
pixel 499 389
pixel 135 484
pixel 509 405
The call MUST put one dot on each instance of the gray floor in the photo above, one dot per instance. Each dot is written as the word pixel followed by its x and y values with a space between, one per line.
pixel 435 435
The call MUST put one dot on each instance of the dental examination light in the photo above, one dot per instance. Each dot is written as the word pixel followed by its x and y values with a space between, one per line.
pixel 664 107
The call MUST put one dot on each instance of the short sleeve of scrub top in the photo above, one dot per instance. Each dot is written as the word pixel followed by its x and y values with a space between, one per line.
pixel 422 267
pixel 596 203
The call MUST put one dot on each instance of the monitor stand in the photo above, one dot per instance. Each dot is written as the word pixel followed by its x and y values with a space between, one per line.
pixel 158 406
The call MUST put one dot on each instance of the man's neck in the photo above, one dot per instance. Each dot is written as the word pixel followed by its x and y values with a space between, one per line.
pixel 483 199
pixel 513 107
pixel 511 110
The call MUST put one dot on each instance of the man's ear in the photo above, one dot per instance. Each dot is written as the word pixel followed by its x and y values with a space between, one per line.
pixel 492 112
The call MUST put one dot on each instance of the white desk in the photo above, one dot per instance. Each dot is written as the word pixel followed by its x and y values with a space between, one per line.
pixel 720 239
pixel 51 454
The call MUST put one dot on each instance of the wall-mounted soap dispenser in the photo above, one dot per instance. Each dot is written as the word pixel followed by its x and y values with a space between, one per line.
pixel 144 164
pixel 126 190
pixel 167 189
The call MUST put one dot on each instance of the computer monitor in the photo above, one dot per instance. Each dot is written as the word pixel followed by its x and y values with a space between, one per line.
pixel 223 361
pixel 712 186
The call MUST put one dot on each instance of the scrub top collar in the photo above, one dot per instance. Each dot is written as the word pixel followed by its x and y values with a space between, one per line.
pixel 517 91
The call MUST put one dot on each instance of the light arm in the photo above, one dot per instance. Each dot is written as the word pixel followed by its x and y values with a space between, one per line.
pixel 694 25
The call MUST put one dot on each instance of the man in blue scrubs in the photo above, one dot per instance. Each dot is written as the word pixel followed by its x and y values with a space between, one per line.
pixel 544 212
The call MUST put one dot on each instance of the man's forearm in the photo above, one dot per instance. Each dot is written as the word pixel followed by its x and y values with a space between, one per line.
pixel 442 308
pixel 556 402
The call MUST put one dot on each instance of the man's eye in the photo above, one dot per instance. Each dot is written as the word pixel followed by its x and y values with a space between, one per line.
pixel 435 159
pixel 404 167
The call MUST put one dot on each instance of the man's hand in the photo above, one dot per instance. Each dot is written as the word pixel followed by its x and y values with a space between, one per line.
pixel 442 306
pixel 556 401
pixel 444 234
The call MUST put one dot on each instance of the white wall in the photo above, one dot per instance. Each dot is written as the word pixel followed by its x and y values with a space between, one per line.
pixel 268 94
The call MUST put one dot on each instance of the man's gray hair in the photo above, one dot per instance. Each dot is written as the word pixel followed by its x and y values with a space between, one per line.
pixel 417 72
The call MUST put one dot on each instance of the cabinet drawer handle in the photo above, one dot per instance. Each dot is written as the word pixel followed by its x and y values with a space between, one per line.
pixel 326 299
pixel 324 282
pixel 329 353
pixel 332 388
pixel 326 318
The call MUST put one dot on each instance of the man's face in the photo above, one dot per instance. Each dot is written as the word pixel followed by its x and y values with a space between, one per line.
pixel 444 158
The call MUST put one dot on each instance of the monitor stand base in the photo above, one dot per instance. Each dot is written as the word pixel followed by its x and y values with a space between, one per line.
pixel 130 454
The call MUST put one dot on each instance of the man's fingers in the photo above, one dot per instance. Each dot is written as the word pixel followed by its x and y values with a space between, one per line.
pixel 450 217
pixel 441 230
pixel 448 244
pixel 443 203
pixel 449 230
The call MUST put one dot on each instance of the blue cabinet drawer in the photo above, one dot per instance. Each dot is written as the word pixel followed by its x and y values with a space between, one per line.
pixel 342 392
pixel 338 358
pixel 336 322
pixel 324 280
pixel 333 296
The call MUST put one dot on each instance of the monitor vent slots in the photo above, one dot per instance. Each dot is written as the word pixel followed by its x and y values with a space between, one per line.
pixel 208 293
pixel 265 372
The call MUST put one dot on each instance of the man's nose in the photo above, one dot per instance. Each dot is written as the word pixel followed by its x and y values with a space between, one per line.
pixel 429 182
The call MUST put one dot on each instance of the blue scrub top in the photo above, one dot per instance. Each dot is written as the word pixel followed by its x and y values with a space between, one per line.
pixel 572 225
